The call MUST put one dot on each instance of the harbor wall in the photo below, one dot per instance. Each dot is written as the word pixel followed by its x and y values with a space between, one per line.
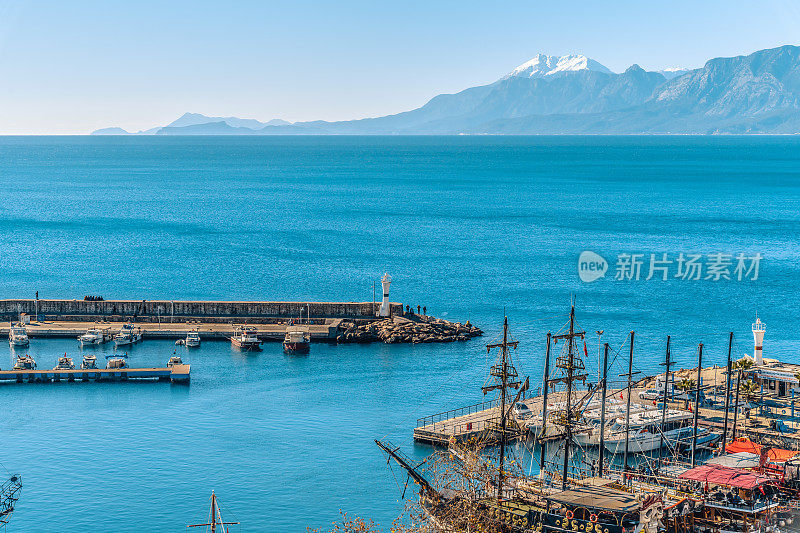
pixel 152 310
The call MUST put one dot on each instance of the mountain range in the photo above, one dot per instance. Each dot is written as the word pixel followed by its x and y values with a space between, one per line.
pixel 573 94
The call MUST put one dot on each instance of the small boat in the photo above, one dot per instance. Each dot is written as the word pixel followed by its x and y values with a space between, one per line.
pixel 645 430
pixel 64 363
pixel 175 360
pixel 24 362
pixel 246 339
pixel 17 336
pixel 129 334
pixel 89 361
pixel 117 361
pixel 297 341
pixel 192 339
pixel 94 336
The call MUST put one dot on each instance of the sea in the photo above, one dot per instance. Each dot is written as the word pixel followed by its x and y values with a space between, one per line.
pixel 691 237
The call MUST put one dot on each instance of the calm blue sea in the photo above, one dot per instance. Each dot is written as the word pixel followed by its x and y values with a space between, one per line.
pixel 470 227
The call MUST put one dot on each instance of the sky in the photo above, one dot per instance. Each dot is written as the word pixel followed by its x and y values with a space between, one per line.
pixel 72 67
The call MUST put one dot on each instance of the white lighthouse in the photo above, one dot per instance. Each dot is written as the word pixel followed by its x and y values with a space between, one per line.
pixel 758 337
pixel 386 281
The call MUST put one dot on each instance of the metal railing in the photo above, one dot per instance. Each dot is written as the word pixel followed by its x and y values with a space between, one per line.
pixel 432 420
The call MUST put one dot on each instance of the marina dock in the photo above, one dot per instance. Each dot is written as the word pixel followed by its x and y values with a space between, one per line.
pixel 174 374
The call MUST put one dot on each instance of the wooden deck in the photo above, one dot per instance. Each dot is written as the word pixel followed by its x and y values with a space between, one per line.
pixel 174 374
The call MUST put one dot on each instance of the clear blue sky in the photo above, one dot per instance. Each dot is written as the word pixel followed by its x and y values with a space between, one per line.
pixel 71 67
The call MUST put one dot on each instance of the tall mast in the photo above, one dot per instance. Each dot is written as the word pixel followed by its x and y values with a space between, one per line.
pixel 667 364
pixel 502 373
pixel 728 370
pixel 736 406
pixel 603 411
pixel 545 383
pixel 569 365
pixel 697 401
pixel 628 411
pixel 216 517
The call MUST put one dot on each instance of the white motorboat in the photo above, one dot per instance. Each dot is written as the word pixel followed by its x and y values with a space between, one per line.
pixel 94 336
pixel 192 339
pixel 64 363
pixel 89 361
pixel 117 362
pixel 24 362
pixel 587 430
pixel 17 336
pixel 645 430
pixel 175 360
pixel 129 334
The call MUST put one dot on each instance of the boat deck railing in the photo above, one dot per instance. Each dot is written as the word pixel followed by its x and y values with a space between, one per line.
pixel 432 420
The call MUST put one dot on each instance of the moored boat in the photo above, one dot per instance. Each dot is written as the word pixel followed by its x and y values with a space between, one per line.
pixel 89 362
pixel 64 363
pixel 192 339
pixel 175 360
pixel 24 362
pixel 296 341
pixel 17 336
pixel 246 338
pixel 94 336
pixel 129 334
pixel 117 361
pixel 645 431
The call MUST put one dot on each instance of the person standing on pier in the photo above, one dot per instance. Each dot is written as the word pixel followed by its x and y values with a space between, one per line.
pixel 418 309
pixel 424 310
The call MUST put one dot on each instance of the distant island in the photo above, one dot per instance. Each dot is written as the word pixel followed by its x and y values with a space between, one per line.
pixel 758 93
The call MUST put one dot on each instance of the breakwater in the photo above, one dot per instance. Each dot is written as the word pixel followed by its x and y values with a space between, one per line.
pixel 181 311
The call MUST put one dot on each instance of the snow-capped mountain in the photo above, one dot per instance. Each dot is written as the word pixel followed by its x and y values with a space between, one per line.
pixel 544 65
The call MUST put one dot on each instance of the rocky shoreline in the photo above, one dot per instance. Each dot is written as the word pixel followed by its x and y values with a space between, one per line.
pixel 414 330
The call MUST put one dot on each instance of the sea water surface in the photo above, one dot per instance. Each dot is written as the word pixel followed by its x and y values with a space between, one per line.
pixel 470 227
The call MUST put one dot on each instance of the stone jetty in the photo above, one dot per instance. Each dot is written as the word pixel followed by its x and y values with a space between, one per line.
pixel 409 329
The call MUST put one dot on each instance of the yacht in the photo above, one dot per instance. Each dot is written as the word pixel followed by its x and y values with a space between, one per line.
pixel 117 362
pixel 192 339
pixel 175 360
pixel 246 338
pixel 64 363
pixel 94 336
pixel 17 336
pixel 129 334
pixel 644 433
pixel 297 340
pixel 587 430
pixel 24 362
pixel 89 362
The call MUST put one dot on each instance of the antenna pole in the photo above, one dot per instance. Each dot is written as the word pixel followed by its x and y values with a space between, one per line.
pixel 729 369
pixel 545 384
pixel 697 401
pixel 603 411
pixel 667 364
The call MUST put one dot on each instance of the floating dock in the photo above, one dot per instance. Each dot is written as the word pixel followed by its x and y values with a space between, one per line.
pixel 174 374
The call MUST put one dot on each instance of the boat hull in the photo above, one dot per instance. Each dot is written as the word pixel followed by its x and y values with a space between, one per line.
pixel 296 347
pixel 246 346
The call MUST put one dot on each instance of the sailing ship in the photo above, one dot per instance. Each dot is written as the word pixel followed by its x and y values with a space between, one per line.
pixel 9 495
pixel 215 518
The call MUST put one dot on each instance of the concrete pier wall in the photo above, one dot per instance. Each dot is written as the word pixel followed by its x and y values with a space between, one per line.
pixel 160 309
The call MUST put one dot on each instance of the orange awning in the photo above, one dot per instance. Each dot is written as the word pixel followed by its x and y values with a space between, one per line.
pixel 774 455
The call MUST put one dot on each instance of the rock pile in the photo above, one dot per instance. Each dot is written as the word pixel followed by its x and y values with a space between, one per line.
pixel 396 330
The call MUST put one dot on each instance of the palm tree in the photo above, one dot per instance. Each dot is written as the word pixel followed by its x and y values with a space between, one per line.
pixel 748 389
pixel 686 384
pixel 743 364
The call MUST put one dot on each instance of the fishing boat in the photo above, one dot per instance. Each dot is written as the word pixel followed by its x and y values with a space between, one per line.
pixel 246 339
pixel 117 361
pixel 17 336
pixel 94 336
pixel 192 339
pixel 296 341
pixel 24 362
pixel 644 430
pixel 64 363
pixel 175 360
pixel 129 334
pixel 89 361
